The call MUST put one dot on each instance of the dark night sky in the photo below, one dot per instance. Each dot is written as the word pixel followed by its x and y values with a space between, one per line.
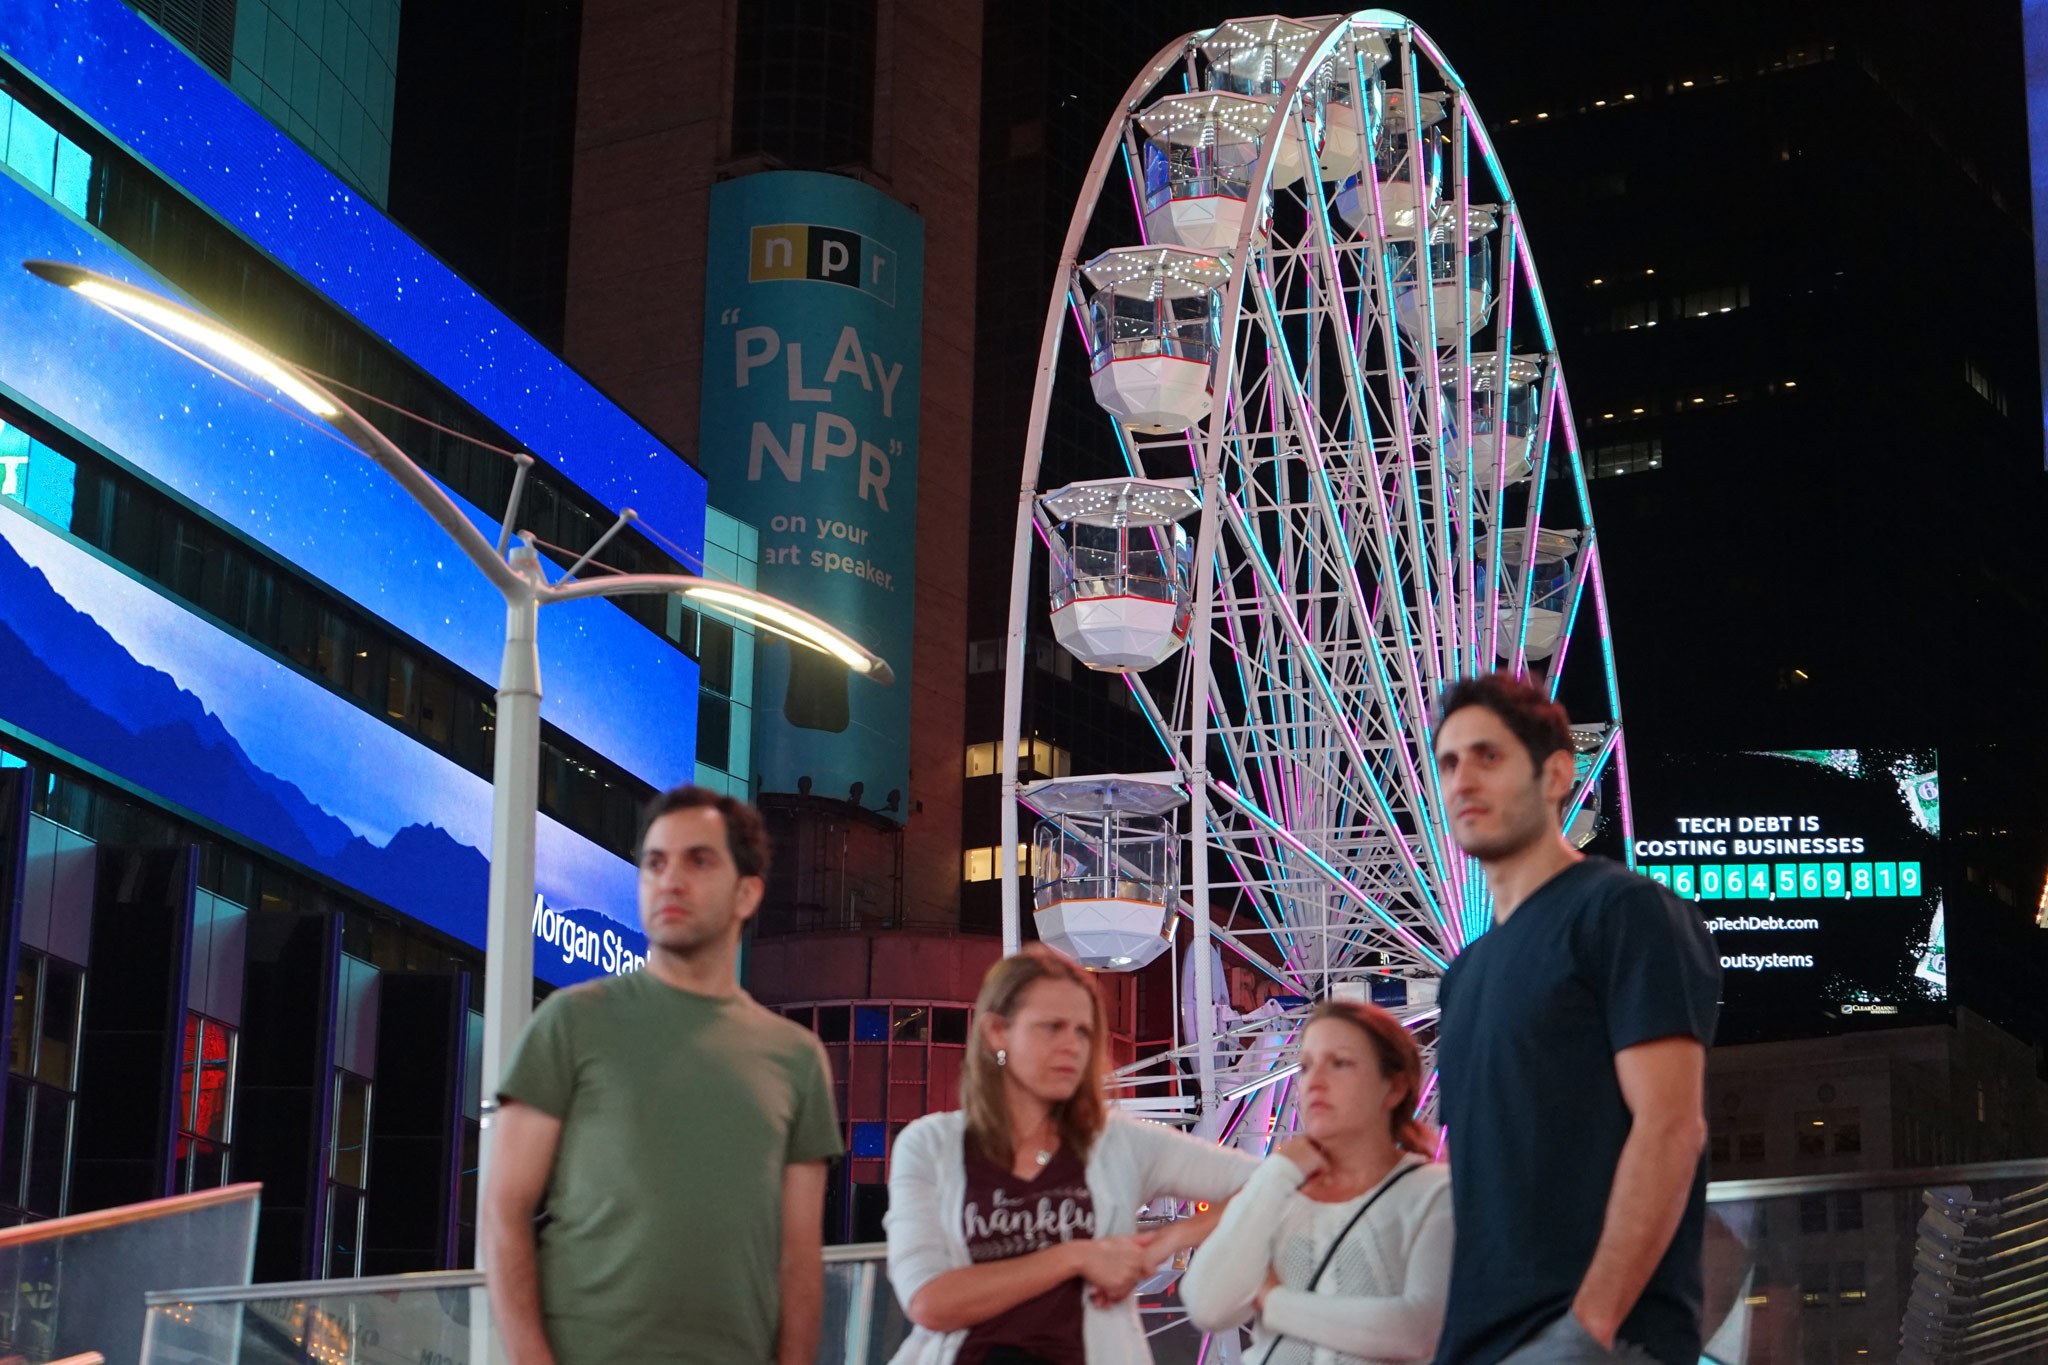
pixel 1955 593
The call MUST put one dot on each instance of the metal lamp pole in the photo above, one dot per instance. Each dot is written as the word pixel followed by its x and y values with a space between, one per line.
pixel 516 571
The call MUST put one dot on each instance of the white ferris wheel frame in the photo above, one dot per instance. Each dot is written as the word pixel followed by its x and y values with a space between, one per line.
pixel 1457 642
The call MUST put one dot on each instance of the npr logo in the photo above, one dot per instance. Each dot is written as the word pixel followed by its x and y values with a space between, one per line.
pixel 807 251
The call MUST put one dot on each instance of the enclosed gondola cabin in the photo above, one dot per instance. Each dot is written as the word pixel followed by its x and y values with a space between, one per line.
pixel 1199 153
pixel 1545 588
pixel 1408 162
pixel 1259 57
pixel 1122 595
pixel 1105 866
pixel 1152 325
pixel 1354 98
pixel 1448 241
pixel 1503 420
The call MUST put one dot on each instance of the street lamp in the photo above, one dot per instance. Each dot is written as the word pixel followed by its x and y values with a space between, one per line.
pixel 515 570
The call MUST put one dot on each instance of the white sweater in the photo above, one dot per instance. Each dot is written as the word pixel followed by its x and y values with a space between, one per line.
pixel 1132 1163
pixel 1382 1299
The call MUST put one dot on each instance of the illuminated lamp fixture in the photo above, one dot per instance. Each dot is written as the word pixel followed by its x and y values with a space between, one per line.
pixel 515 569
pixel 1151 319
pixel 1105 866
pixel 1122 570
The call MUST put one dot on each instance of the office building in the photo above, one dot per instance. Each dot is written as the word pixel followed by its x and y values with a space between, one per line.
pixel 247 722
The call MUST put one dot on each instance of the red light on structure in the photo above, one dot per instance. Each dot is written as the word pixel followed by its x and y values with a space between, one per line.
pixel 1201 1206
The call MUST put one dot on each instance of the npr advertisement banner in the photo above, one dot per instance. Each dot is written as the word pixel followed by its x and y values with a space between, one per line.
pixel 813 330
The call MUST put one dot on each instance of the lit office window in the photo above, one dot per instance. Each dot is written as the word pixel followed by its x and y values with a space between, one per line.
pixel 42 1064
pixel 206 1092
pixel 348 1175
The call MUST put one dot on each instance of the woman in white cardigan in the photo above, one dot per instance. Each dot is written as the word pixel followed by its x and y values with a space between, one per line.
pixel 1339 1248
pixel 1012 1222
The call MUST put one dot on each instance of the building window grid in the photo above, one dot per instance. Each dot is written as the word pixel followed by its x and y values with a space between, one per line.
pixel 1037 758
pixel 348 1174
pixel 1823 1134
pixel 42 1090
pixel 892 1061
pixel 206 1094
pixel 1624 457
pixel 1980 384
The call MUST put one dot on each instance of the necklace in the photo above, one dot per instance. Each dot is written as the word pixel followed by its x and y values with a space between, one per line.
pixel 1044 1154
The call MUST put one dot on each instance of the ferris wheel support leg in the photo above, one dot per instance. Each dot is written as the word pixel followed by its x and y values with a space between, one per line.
pixel 1013 712
pixel 1198 647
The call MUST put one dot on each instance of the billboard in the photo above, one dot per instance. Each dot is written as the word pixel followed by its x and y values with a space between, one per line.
pixel 103 668
pixel 813 332
pixel 314 501
pixel 149 95
pixel 1817 871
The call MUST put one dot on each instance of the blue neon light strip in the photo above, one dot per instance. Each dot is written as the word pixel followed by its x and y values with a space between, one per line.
pixel 147 94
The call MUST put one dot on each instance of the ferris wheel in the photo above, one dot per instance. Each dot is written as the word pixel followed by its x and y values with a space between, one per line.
pixel 1336 470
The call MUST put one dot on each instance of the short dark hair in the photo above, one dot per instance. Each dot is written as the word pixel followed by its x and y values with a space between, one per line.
pixel 1522 706
pixel 746 834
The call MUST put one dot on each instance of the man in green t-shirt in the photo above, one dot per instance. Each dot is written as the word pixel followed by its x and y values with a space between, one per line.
pixel 675 1132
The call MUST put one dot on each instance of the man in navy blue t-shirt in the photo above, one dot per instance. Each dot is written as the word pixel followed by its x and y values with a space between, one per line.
pixel 1573 1058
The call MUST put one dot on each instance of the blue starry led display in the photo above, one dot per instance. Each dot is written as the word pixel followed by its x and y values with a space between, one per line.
pixel 169 703
pixel 145 92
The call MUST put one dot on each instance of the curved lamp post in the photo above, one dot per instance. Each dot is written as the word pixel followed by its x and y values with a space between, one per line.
pixel 518 575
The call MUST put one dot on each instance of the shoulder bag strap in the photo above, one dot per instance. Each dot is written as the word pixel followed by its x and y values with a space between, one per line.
pixel 1329 1255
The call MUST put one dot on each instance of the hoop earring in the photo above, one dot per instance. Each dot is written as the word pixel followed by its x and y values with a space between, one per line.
pixel 1002 1056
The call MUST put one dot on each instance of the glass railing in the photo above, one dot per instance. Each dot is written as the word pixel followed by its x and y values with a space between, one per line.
pixel 430 1319
pixel 1924 1267
pixel 387 1320
pixel 75 1286
pixel 1940 1265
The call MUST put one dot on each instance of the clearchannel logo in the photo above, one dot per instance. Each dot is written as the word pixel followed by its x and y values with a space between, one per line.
pixel 827 255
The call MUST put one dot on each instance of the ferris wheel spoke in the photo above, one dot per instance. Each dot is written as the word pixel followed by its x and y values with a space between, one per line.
pixel 1325 693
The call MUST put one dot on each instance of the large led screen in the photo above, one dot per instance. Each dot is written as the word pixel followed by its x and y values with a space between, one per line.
pixel 813 333
pixel 148 94
pixel 1817 871
pixel 106 670
pixel 297 489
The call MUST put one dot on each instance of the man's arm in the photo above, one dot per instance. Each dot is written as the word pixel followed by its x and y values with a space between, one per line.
pixel 523 1142
pixel 1663 1083
pixel 803 1262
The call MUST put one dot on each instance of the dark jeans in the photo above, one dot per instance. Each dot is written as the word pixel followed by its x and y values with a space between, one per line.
pixel 1565 1342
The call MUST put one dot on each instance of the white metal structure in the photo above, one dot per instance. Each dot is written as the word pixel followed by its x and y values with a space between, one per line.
pixel 1391 498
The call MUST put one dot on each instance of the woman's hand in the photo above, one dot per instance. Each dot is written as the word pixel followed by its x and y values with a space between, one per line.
pixel 1259 1299
pixel 1306 1156
pixel 1114 1266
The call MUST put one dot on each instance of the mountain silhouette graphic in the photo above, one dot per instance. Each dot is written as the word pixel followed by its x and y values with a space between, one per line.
pixel 73 684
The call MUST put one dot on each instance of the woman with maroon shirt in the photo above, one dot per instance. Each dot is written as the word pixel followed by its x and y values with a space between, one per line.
pixel 1012 1222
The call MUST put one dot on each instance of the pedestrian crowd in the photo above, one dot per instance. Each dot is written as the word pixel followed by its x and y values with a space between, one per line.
pixel 660 1142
